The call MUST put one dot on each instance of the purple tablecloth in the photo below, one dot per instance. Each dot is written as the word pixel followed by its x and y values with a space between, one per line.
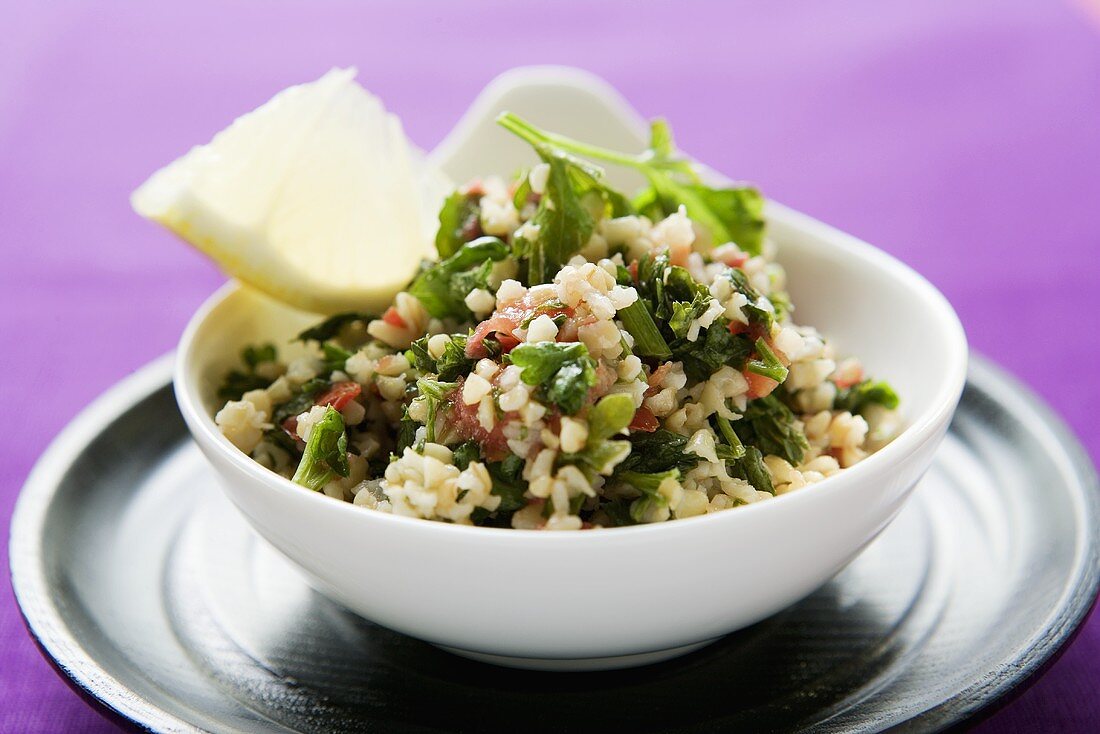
pixel 962 137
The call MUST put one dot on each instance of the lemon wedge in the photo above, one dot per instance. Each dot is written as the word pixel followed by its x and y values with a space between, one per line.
pixel 316 198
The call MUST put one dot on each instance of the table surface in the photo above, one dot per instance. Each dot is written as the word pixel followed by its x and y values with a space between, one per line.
pixel 961 137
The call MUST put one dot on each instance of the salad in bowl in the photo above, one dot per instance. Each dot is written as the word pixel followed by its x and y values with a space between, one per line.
pixel 409 372
pixel 574 357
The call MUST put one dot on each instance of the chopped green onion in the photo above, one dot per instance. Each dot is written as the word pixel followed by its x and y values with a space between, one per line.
pixel 648 341
pixel 768 365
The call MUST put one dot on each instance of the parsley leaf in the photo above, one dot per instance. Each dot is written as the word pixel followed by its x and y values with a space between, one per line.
pixel 564 223
pixel 754 312
pixel 508 483
pixel 238 382
pixel 650 487
pixel 734 213
pixel 435 393
pixel 326 453
pixel 751 468
pixel 331 327
pixel 606 418
pixel 466 453
pixel 769 425
pixel 458 219
pixel 442 287
pixel 563 370
pixel 858 397
pixel 658 451
pixel 714 348
pixel 301 402
pixel 610 415
pixel 449 365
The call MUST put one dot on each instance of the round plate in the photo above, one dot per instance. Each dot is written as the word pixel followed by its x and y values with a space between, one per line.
pixel 152 596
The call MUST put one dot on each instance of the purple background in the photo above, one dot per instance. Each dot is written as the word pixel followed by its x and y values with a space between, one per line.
pixel 962 137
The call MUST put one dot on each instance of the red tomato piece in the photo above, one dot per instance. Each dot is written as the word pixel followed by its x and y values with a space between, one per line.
pixel 393 318
pixel 759 386
pixel 339 395
pixel 644 421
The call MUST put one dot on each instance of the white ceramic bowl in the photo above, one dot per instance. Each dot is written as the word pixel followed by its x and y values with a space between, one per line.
pixel 615 597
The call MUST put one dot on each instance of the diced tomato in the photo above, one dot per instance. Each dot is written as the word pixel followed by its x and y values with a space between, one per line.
pixel 656 377
pixel 474 188
pixel 678 254
pixel 605 378
pixel 290 425
pixel 504 321
pixel 393 318
pixel 570 329
pixel 736 327
pixel 759 386
pixel 339 395
pixel 735 259
pixel 463 420
pixel 633 268
pixel 507 342
pixel 854 378
pixel 644 421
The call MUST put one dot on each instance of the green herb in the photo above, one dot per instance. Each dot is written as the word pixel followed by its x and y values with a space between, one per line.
pixel 733 214
pixel 751 468
pixel 301 402
pixel 618 510
pixel 610 415
pixel 238 382
pixel 736 449
pixel 331 327
pixel 715 347
pixel 280 438
pixel 435 393
pixel 683 313
pixel 606 418
pixel 649 485
pixel 768 364
pixel 658 451
pixel 334 356
pixel 770 425
pixel 454 362
pixel 442 287
pixel 755 313
pixel 648 341
pixel 565 215
pixel 600 458
pixel 457 218
pixel 781 302
pixel 730 214
pixel 419 356
pixel 564 223
pixel 563 370
pixel 326 453
pixel 859 397
pixel 466 453
pixel 508 483
pixel 406 434
pixel 449 366
pixel 255 355
pixel 522 194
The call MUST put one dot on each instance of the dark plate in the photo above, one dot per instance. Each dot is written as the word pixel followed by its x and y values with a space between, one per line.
pixel 148 592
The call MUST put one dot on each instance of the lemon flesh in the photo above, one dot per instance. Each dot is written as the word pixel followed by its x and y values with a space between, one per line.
pixel 316 198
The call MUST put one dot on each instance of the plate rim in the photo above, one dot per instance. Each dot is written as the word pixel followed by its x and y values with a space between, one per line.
pixel 113 699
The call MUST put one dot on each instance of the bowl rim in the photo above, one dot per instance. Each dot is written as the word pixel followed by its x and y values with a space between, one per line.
pixel 921 428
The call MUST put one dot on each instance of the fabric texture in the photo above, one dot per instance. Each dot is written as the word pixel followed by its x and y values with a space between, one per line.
pixel 961 137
